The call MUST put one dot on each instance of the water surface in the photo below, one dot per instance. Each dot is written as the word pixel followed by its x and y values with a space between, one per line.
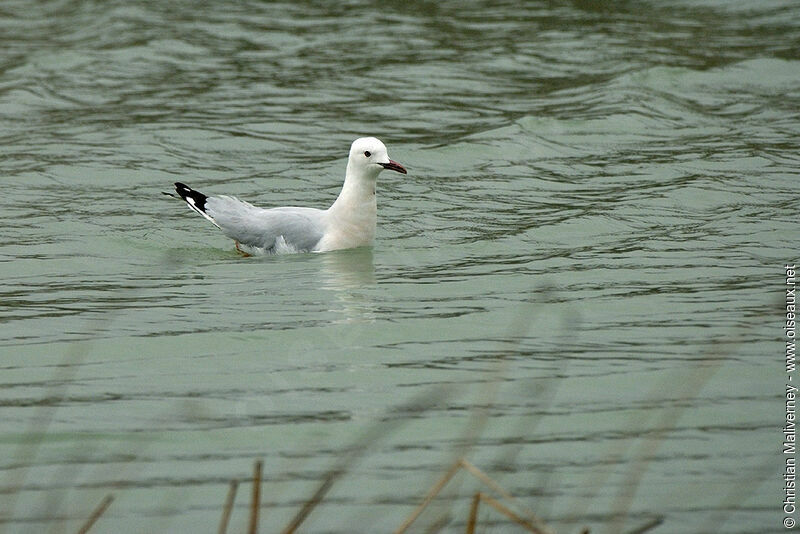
pixel 582 271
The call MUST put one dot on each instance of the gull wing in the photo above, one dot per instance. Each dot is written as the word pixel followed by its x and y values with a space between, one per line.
pixel 300 228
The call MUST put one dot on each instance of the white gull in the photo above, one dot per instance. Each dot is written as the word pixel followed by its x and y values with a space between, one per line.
pixel 350 222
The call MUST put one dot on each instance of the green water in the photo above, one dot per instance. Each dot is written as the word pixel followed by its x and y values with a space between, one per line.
pixel 579 282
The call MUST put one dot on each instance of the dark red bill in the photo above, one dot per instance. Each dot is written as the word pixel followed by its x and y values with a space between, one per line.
pixel 394 166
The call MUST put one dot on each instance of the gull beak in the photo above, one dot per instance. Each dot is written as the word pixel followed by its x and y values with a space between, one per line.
pixel 394 166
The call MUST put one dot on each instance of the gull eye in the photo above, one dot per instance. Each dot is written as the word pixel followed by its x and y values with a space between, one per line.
pixel 367 153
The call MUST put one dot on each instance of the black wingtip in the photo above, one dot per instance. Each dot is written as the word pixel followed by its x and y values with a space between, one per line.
pixel 194 198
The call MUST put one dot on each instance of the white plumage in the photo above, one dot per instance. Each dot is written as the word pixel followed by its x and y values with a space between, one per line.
pixel 350 222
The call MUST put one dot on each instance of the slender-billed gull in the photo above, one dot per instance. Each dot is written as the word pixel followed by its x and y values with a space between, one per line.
pixel 348 223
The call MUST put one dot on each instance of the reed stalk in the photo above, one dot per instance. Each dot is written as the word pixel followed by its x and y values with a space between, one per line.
pixel 104 504
pixel 255 502
pixel 228 508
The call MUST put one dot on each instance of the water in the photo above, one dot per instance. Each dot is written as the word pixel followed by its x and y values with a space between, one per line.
pixel 588 249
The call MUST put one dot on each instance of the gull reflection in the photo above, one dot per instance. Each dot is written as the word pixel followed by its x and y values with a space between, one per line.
pixel 350 273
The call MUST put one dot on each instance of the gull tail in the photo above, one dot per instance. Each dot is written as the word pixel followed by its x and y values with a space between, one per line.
pixel 194 199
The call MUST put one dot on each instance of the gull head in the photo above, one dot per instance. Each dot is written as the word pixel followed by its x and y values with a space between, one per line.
pixel 368 158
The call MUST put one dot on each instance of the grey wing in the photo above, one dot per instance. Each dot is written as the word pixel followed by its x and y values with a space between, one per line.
pixel 301 228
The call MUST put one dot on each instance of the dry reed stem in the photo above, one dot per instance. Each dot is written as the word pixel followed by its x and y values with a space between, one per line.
pixel 532 522
pixel 479 418
pixel 68 471
pixel 690 388
pixel 664 424
pixel 380 430
pixel 226 511
pixel 435 489
pixel 312 503
pixel 44 413
pixel 104 504
pixel 255 503
pixel 39 424
pixel 500 507
pixel 736 498
pixel 483 477
pixel 473 513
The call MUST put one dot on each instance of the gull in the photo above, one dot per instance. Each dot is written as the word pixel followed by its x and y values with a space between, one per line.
pixel 349 223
